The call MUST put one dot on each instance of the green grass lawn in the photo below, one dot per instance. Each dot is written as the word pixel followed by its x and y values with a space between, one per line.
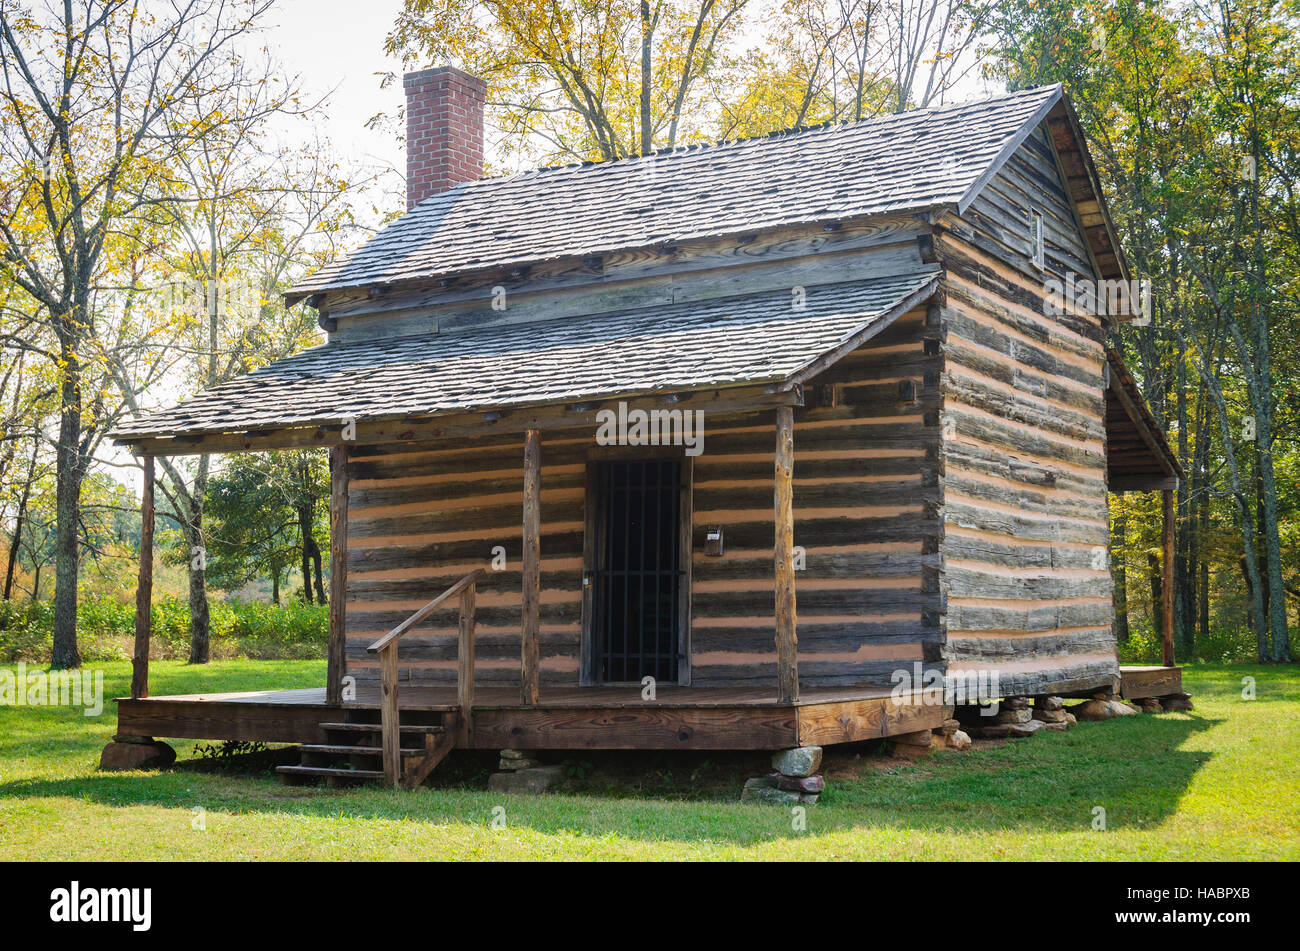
pixel 1220 783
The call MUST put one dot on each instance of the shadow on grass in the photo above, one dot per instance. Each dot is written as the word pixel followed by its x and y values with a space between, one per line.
pixel 1134 767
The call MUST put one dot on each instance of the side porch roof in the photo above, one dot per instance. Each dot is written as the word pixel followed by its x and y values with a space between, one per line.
pixel 1138 458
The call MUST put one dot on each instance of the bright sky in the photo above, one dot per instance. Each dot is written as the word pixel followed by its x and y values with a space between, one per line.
pixel 338 45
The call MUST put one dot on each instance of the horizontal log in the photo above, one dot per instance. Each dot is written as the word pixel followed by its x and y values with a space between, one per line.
pixel 1023 409
pixel 498 523
pixel 1027 616
pixel 1025 498
pixel 992 583
pixel 961 647
pixel 966 318
pixel 850 603
pixel 433 554
pixel 1014 553
pixel 865 566
pixel 990 430
pixel 972 515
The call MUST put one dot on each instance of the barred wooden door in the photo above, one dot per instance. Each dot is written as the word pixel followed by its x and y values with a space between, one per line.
pixel 638 575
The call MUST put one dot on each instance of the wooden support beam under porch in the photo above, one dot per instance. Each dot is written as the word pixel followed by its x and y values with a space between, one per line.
pixel 564 718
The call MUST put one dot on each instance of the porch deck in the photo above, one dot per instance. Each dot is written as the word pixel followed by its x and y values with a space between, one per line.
pixel 687 718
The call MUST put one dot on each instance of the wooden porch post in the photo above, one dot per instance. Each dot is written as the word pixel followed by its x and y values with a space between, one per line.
pixel 1167 577
pixel 787 664
pixel 337 662
pixel 532 575
pixel 144 589
pixel 465 663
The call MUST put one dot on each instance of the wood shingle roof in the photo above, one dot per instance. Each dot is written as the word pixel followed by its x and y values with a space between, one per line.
pixel 747 339
pixel 917 160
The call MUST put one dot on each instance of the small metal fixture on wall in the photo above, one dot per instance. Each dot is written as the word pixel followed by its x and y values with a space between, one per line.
pixel 713 541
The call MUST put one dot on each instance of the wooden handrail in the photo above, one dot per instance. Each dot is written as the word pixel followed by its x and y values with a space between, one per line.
pixel 425 611
pixel 386 648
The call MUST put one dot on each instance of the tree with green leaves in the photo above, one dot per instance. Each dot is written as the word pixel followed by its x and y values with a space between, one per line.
pixel 580 81
pixel 97 100
pixel 1191 115
pixel 267 512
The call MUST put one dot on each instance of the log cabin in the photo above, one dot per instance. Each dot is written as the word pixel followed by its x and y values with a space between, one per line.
pixel 713 448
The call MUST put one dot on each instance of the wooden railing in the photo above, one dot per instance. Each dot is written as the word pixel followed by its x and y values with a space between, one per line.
pixel 386 648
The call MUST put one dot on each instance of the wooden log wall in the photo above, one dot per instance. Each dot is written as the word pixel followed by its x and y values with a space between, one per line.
pixel 689 271
pixel 1025 527
pixel 865 516
pixel 420 516
pixel 865 495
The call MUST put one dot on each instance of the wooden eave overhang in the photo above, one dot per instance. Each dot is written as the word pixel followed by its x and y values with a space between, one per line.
pixel 1138 458
pixel 512 420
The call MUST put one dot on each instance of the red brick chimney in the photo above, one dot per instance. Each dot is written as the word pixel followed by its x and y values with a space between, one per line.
pixel 444 131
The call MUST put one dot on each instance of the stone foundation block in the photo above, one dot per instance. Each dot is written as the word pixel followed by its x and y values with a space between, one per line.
pixel 761 789
pixel 135 752
pixel 799 762
pixel 530 781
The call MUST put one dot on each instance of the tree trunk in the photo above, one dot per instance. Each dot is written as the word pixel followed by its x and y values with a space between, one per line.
pixel 1184 531
pixel 306 574
pixel 20 520
pixel 13 548
pixel 1157 593
pixel 1121 580
pixel 200 615
pixel 275 587
pixel 1281 650
pixel 1249 562
pixel 646 78
pixel 1203 596
pixel 200 611
pixel 311 558
pixel 1203 569
pixel 1253 618
pixel 69 476
pixel 316 561
pixel 1259 385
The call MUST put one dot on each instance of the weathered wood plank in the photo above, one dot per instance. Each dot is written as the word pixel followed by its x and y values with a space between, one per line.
pixel 390 715
pixel 530 658
pixel 1167 577
pixel 465 662
pixel 1139 682
pixel 335 663
pixel 783 555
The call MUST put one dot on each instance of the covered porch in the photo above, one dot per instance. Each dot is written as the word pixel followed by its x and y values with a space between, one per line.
pixel 340 397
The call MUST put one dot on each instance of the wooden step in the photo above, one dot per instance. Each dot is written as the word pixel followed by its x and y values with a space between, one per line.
pixel 330 772
pixel 377 728
pixel 345 750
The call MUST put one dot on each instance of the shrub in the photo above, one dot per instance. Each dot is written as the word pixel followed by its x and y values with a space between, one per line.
pixel 1227 645
pixel 1142 647
pixel 106 630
